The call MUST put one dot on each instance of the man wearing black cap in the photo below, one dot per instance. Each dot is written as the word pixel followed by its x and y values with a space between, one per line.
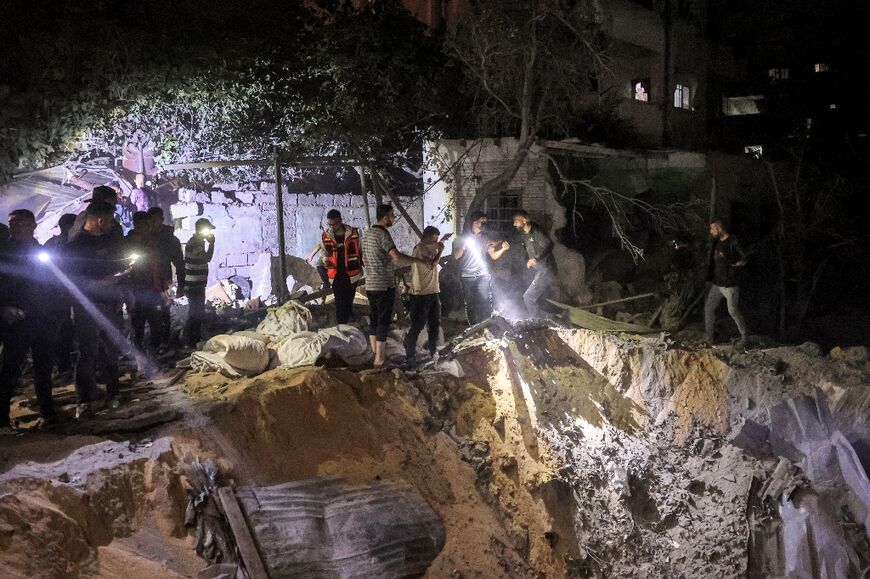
pixel 25 310
pixel 97 266
pixel 196 259
pixel 101 194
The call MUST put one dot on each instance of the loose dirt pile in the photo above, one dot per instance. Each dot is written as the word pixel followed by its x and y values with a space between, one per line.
pixel 558 454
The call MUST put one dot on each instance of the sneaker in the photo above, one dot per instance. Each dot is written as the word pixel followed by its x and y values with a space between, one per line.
pixel 84 411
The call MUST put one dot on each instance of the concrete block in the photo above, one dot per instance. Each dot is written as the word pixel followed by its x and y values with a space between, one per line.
pixel 236 260
pixel 181 210
pixel 245 197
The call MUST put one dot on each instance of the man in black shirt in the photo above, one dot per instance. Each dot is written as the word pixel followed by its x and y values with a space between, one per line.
pixel 726 261
pixel 96 266
pixel 171 255
pixel 539 248
pixel 26 300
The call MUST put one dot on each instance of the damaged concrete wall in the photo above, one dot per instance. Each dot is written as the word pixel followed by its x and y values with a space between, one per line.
pixel 245 219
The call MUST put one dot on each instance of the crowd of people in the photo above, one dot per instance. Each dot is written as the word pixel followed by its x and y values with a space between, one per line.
pixel 70 295
pixel 76 288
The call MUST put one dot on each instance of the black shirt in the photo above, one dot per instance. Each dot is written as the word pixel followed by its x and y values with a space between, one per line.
pixel 26 282
pixel 93 258
pixel 539 247
pixel 723 255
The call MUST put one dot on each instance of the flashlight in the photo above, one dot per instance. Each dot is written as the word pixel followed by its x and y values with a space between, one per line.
pixel 43 257
pixel 133 257
pixel 206 231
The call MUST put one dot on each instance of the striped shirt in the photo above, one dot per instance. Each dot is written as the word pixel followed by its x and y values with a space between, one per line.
pixel 196 258
pixel 379 267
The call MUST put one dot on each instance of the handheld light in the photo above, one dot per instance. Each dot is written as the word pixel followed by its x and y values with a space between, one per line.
pixel 43 257
pixel 133 256
pixel 206 231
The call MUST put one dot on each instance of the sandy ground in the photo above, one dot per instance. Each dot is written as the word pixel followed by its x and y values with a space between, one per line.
pixel 520 458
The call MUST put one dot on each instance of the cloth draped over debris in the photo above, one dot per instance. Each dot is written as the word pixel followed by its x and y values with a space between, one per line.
pixel 282 339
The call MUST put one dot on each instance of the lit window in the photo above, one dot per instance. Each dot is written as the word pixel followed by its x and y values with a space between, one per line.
pixel 753 151
pixel 777 74
pixel 821 67
pixel 744 105
pixel 640 90
pixel 832 106
pixel 683 97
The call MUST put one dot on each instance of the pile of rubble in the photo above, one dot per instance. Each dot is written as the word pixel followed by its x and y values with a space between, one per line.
pixel 550 453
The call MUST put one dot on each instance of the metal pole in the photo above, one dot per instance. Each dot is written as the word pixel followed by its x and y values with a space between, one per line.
pixel 365 194
pixel 282 252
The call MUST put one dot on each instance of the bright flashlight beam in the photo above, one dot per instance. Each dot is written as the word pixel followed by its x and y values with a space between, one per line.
pixel 107 326
pixel 43 257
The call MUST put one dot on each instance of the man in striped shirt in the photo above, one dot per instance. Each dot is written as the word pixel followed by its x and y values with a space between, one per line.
pixel 196 259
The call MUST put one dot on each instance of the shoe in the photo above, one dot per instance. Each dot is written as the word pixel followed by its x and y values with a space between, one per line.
pixel 410 363
pixel 7 431
pixel 84 411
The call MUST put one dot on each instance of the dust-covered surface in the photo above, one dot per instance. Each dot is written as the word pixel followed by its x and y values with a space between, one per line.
pixel 558 454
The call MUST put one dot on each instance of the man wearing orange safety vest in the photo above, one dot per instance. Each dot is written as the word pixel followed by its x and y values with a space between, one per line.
pixel 342 257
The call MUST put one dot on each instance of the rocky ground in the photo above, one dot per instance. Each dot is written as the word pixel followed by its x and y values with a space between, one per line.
pixel 556 453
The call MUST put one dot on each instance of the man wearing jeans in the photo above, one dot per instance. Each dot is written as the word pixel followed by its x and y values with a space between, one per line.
pixel 470 252
pixel 425 300
pixel 380 258
pixel 726 259
pixel 539 248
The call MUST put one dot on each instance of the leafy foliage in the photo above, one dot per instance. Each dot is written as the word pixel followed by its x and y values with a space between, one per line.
pixel 308 83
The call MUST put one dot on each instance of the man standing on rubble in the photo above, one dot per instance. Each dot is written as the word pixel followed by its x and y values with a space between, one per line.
pixel 539 248
pixel 100 194
pixel 425 300
pixel 63 347
pixel 97 267
pixel 145 283
pixel 470 252
pixel 723 270
pixel 196 260
pixel 342 258
pixel 170 255
pixel 380 258
pixel 26 294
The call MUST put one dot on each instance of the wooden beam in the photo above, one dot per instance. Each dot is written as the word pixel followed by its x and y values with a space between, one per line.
pixel 242 533
pixel 365 194
pixel 629 299
pixel 285 160
pixel 378 179
pixel 282 251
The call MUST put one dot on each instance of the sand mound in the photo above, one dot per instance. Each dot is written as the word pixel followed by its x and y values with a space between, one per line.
pixel 69 513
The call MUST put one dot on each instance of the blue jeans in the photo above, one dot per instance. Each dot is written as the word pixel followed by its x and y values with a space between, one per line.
pixel 714 298
pixel 543 279
pixel 477 292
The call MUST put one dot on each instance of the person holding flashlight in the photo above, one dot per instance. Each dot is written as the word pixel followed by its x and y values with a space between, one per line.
pixel 145 283
pixel 26 316
pixel 97 267
pixel 196 259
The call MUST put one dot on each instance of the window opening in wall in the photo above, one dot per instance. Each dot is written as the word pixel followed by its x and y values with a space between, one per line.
pixel 683 97
pixel 820 67
pixel 499 209
pixel 743 105
pixel 754 151
pixel 640 90
pixel 776 75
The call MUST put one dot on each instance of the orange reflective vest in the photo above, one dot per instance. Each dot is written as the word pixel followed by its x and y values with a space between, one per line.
pixel 352 253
